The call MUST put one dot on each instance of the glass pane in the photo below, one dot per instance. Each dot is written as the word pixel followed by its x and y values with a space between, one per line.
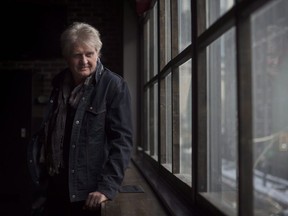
pixel 215 9
pixel 147 121
pixel 184 32
pixel 154 42
pixel 152 122
pixel 269 32
pixel 155 120
pixel 146 51
pixel 222 135
pixel 168 125
pixel 185 107
pixel 167 31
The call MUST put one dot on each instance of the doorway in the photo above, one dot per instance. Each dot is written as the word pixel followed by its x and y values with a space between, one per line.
pixel 15 111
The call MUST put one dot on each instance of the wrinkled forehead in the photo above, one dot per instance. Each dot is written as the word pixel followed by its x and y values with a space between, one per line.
pixel 80 46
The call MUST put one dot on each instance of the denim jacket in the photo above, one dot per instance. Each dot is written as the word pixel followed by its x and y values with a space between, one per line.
pixel 101 137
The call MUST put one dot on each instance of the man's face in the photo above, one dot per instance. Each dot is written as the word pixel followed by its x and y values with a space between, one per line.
pixel 82 61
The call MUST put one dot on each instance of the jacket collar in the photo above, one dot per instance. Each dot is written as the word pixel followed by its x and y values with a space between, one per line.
pixel 99 70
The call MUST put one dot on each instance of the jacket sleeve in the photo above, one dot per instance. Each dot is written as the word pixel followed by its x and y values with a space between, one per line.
pixel 119 140
pixel 36 169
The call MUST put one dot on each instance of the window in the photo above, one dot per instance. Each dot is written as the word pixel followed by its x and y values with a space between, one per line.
pixel 215 110
pixel 166 121
pixel 165 32
pixel 154 42
pixel 175 88
pixel 269 35
pixel 184 22
pixel 221 184
pixel 146 49
pixel 154 121
pixel 215 9
pixel 150 36
pixel 181 25
pixel 147 121
pixel 185 121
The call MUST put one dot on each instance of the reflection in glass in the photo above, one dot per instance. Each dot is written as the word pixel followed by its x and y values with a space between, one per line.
pixel 269 32
pixel 222 135
pixel 184 22
pixel 215 9
pixel 185 116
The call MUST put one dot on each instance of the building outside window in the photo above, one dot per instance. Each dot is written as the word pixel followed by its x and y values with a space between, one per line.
pixel 215 103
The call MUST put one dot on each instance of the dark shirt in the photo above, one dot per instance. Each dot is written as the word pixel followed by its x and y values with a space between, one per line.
pixel 67 136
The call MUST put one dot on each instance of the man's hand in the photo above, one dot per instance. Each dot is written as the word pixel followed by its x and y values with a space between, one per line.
pixel 94 200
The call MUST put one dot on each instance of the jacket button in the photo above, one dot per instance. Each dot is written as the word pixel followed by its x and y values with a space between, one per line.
pixel 51 101
pixel 73 146
pixel 77 122
pixel 90 107
pixel 73 171
pixel 73 196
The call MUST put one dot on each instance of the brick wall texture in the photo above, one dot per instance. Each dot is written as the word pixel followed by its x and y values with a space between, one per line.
pixel 106 16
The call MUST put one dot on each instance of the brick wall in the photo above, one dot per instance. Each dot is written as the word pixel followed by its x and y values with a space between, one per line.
pixel 106 16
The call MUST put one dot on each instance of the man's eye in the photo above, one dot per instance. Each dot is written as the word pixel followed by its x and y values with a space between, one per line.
pixel 89 55
pixel 76 55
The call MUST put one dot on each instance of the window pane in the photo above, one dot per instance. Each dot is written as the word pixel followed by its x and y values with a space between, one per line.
pixel 155 122
pixel 167 31
pixel 154 42
pixel 147 121
pixel 146 51
pixel 222 133
pixel 269 28
pixel 215 9
pixel 185 122
pixel 168 125
pixel 184 32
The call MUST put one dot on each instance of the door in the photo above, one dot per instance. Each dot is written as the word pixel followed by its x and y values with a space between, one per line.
pixel 16 96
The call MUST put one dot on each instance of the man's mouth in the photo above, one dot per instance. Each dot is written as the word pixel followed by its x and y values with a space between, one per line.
pixel 83 68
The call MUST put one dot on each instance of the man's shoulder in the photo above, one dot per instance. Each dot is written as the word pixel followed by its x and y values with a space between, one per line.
pixel 112 76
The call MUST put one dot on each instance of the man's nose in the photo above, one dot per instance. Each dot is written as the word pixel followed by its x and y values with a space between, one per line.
pixel 83 59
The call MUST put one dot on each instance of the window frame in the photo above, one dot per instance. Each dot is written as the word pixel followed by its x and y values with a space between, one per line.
pixel 239 17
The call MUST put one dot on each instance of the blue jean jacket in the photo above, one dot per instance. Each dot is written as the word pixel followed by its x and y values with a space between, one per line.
pixel 101 137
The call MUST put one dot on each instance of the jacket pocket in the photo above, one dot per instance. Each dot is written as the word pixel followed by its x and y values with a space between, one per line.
pixel 95 121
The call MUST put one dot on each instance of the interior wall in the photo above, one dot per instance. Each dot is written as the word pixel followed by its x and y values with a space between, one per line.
pixel 130 59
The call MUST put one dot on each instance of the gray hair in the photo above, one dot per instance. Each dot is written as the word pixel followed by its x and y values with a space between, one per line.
pixel 82 33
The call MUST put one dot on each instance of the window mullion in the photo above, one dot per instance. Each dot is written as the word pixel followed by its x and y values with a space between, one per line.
pixel 245 147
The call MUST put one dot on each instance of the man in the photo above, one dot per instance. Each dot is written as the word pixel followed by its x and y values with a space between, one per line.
pixel 85 141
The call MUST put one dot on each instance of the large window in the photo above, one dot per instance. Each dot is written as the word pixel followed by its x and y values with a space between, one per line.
pixel 215 101
pixel 169 88
pixel 220 185
pixel 269 35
